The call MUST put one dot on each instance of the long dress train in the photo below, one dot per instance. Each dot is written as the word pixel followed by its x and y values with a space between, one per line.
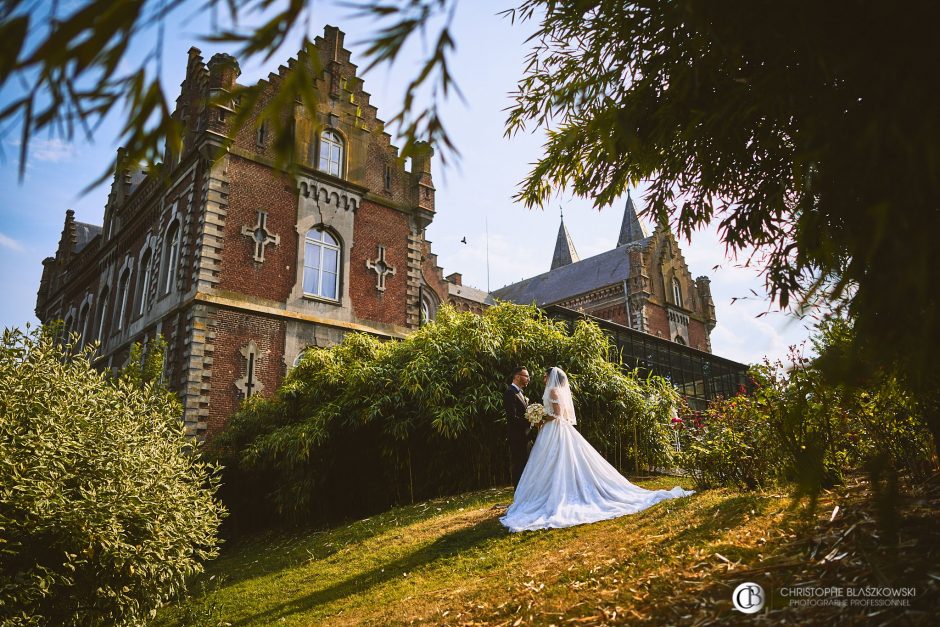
pixel 567 482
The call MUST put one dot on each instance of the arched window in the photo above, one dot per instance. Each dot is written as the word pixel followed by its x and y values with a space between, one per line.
pixel 83 324
pixel 171 256
pixel 69 326
pixel 429 305
pixel 124 285
pixel 102 316
pixel 300 357
pixel 676 292
pixel 321 265
pixel 331 153
pixel 425 311
pixel 680 340
pixel 144 285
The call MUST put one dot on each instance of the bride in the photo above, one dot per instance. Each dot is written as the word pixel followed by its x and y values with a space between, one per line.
pixel 566 482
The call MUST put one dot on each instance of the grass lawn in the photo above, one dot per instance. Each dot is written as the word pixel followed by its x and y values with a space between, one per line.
pixel 450 561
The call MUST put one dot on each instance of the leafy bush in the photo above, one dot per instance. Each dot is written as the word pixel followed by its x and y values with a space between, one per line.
pixel 104 508
pixel 727 445
pixel 798 426
pixel 365 424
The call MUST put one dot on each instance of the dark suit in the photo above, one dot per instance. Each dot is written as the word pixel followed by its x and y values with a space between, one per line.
pixel 515 404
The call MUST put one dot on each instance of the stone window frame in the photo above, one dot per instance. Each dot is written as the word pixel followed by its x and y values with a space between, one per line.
pixel 68 322
pixel 340 143
pixel 84 315
pixel 339 248
pixel 101 311
pixel 431 302
pixel 324 203
pixel 145 276
pixel 261 135
pixel 125 294
pixel 300 355
pixel 170 259
pixel 677 292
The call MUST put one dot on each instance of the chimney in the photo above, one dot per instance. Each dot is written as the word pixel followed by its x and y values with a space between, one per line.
pixel 456 278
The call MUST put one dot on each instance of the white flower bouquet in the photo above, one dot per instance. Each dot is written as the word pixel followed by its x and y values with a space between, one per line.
pixel 534 413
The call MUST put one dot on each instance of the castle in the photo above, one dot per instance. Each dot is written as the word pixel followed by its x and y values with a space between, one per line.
pixel 643 283
pixel 241 267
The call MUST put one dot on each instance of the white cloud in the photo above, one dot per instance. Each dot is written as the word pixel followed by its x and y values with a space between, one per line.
pixel 11 244
pixel 54 150
pixel 51 150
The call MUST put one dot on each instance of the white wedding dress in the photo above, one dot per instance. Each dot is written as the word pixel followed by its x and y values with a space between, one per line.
pixel 566 482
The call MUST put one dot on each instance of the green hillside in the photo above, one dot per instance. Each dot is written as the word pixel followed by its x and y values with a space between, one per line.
pixel 450 561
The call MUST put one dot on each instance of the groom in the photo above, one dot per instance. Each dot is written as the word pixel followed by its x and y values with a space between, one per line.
pixel 515 404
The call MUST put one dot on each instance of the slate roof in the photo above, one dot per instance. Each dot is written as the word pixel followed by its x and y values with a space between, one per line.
pixel 84 233
pixel 469 293
pixel 576 278
pixel 136 178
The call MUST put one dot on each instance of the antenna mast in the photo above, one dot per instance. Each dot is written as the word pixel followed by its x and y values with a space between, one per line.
pixel 487 226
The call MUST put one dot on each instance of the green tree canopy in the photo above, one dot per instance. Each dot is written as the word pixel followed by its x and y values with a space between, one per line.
pixel 808 130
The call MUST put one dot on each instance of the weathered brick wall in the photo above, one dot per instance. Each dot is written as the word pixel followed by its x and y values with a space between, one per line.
pixel 657 320
pixel 375 226
pixel 233 331
pixel 255 187
pixel 617 313
pixel 698 335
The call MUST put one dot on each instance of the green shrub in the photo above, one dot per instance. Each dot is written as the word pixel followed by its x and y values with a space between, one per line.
pixel 105 510
pixel 728 445
pixel 798 426
pixel 362 425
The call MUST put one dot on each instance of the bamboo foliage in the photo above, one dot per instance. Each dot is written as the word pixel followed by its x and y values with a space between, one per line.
pixel 367 423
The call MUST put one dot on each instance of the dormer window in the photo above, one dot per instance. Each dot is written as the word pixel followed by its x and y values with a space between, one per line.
pixel 331 153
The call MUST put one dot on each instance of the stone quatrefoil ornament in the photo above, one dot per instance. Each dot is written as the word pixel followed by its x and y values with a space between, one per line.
pixel 381 268
pixel 261 236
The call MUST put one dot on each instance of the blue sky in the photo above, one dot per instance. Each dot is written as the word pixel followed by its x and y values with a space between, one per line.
pixel 476 192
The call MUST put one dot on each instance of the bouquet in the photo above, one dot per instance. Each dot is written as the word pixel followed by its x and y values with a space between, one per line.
pixel 534 413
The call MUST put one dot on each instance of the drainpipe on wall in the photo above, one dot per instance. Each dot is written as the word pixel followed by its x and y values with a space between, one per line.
pixel 626 301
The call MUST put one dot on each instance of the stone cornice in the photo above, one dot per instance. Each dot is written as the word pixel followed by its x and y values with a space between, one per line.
pixel 386 330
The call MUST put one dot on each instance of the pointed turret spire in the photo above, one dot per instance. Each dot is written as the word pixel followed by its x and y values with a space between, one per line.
pixel 564 247
pixel 630 230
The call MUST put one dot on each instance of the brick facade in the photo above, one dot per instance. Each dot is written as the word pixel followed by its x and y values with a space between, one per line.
pixel 211 249
pixel 181 247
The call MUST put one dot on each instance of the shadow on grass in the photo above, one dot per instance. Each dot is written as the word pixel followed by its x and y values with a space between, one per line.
pixel 728 514
pixel 271 552
pixel 444 547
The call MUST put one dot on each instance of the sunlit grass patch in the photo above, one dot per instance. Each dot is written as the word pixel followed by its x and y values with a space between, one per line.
pixel 449 560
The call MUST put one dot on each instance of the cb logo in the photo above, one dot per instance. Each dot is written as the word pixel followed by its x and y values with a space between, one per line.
pixel 748 598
